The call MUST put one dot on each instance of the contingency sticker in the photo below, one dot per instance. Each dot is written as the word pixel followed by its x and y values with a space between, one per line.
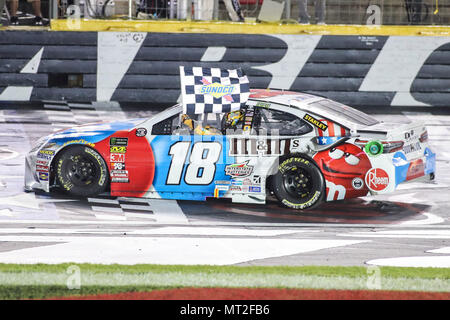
pixel 317 123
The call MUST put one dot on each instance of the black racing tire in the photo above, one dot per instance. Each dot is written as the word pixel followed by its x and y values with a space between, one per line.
pixel 81 171
pixel 298 183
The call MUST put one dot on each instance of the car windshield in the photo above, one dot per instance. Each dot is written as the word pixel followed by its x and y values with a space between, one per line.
pixel 340 110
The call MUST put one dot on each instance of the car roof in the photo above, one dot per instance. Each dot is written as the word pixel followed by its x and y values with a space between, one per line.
pixel 283 97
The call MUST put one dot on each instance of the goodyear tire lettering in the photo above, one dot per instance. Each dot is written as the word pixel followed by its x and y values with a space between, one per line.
pixel 304 197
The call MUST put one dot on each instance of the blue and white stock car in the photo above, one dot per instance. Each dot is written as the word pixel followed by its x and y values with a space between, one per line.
pixel 302 148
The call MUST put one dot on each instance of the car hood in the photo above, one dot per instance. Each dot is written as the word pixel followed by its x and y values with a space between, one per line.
pixel 95 132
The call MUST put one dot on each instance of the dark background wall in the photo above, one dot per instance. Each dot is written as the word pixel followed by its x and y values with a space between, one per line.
pixel 144 67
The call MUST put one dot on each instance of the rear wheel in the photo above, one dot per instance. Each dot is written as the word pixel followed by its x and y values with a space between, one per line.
pixel 81 171
pixel 298 184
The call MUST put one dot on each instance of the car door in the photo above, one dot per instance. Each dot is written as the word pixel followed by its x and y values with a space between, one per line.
pixel 188 165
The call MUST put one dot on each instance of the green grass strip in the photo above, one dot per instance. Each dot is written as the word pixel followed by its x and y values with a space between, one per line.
pixel 37 281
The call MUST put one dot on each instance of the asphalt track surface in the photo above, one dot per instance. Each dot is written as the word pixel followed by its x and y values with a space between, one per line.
pixel 407 228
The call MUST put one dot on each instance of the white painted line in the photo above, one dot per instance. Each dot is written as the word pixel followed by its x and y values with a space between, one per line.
pixel 9 154
pixel 416 262
pixel 213 54
pixel 444 250
pixel 430 219
pixel 110 217
pixel 413 234
pixel 204 231
pixel 211 223
pixel 137 207
pixel 6 213
pixel 147 215
pixel 137 250
pixel 196 231
pixel 101 200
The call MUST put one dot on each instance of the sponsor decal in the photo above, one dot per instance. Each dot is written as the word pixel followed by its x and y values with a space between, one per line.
pixel 304 205
pixel 42 168
pixel 47 152
pixel 344 168
pixel 377 179
pixel 79 141
pixel 416 169
pixel 41 163
pixel 46 157
pixel 357 183
pixel 247 182
pixel 317 123
pixel 99 159
pixel 222 182
pixel 119 173
pixel 120 176
pixel 254 189
pixel 236 182
pixel 217 90
pixel 335 191
pixel 259 147
pixel 412 147
pixel 117 157
pixel 239 169
pixel 141 132
pixel 118 166
pixel 256 179
pixel 43 176
pixel 115 141
pixel 118 149
pixel 263 104
pixel 409 135
pixel 236 188
pixel 222 187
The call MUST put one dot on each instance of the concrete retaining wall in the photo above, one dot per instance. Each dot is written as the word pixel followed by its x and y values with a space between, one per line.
pixel 357 70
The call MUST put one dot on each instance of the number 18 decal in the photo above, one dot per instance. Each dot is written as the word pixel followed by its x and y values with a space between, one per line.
pixel 202 162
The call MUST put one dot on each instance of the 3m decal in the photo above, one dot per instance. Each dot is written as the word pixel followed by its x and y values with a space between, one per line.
pixel 317 123
pixel 117 157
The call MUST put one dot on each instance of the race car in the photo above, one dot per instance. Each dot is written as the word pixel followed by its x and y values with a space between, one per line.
pixel 301 148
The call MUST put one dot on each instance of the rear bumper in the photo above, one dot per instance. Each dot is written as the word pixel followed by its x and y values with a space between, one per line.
pixel 413 169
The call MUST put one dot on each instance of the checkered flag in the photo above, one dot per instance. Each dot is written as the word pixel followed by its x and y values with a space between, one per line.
pixel 213 90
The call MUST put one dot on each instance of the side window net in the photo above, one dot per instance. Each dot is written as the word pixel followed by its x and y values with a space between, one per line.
pixel 274 122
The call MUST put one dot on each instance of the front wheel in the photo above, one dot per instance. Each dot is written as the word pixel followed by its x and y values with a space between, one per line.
pixel 81 171
pixel 298 184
